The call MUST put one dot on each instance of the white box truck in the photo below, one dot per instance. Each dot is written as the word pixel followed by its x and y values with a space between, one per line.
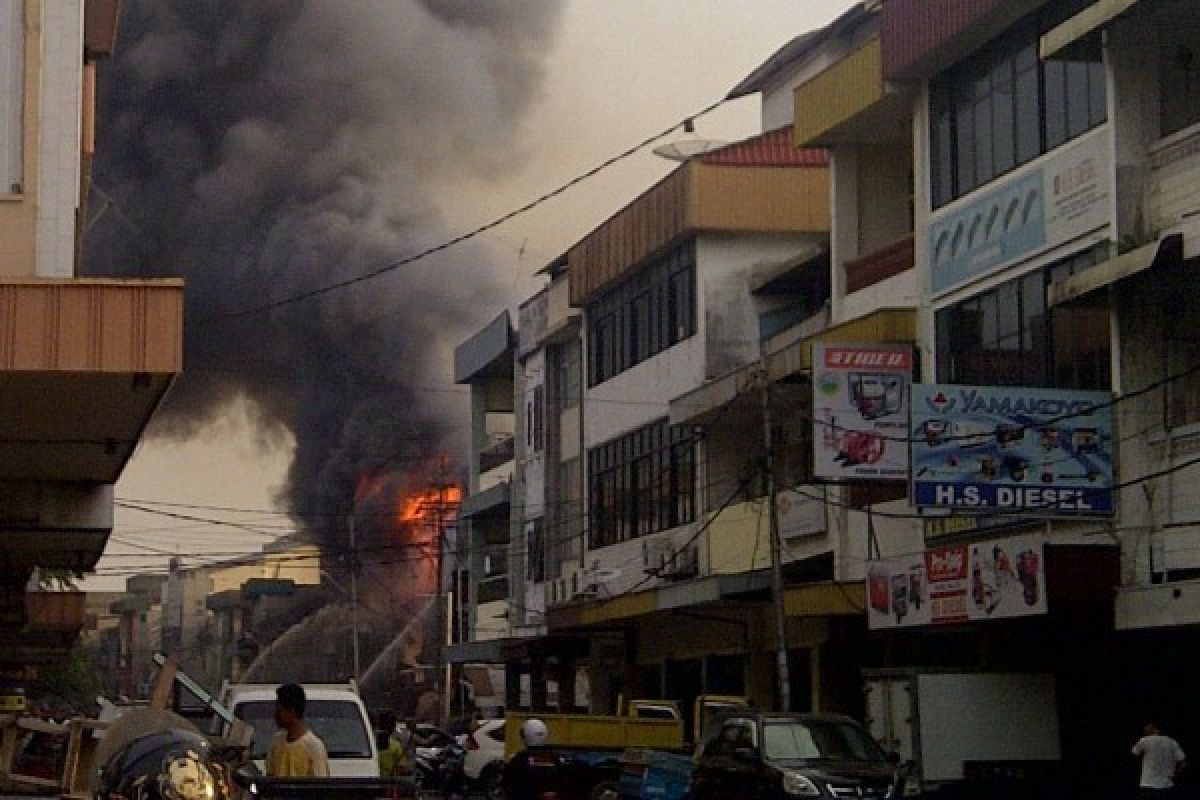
pixel 944 721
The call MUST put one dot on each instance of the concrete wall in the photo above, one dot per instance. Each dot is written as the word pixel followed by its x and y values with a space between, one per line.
pixel 59 140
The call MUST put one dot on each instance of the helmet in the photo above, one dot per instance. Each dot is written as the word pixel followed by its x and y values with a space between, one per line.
pixel 534 732
pixel 166 765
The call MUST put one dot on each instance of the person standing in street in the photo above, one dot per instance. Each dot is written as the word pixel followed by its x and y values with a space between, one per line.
pixel 1162 760
pixel 295 751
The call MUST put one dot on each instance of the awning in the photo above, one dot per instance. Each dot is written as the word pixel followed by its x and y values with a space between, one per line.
pixel 884 325
pixel 1096 15
pixel 1165 251
pixel 825 599
pixel 809 600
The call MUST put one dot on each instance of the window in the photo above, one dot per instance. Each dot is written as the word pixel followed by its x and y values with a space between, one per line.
pixel 641 483
pixel 338 723
pixel 567 374
pixel 535 548
pixel 1008 337
pixel 535 420
pixel 1002 107
pixel 643 315
pixel 1180 79
pixel 12 93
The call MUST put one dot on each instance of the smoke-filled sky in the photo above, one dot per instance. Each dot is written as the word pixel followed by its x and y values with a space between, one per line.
pixel 266 148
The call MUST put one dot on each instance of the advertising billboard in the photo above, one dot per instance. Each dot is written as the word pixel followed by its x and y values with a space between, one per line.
pixel 1008 449
pixel 860 405
pixel 1060 198
pixel 998 579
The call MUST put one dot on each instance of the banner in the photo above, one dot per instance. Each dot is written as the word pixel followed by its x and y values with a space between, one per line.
pixel 1031 452
pixel 860 404
pixel 1063 196
pixel 998 579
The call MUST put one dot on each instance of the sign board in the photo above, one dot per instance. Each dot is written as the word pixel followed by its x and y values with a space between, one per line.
pixel 801 512
pixel 860 405
pixel 998 579
pixel 1060 198
pixel 1043 452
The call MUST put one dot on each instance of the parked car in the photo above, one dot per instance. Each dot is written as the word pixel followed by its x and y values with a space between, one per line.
pixel 335 712
pixel 485 753
pixel 777 756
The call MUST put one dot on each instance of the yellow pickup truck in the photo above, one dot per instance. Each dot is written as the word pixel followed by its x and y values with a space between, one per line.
pixel 582 757
pixel 656 724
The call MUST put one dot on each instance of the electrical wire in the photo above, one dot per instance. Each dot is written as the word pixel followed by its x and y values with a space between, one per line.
pixel 471 234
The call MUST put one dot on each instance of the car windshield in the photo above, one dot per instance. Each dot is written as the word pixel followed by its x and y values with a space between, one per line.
pixel 337 723
pixel 836 740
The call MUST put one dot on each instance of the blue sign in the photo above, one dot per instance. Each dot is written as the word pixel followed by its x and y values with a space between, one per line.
pixel 997 229
pixel 1012 450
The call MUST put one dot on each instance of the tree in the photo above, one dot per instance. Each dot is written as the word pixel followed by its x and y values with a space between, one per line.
pixel 69 683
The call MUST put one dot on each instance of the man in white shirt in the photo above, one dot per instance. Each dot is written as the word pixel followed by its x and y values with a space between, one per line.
pixel 1162 759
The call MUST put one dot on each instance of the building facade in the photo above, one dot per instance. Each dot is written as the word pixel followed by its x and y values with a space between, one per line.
pixel 84 361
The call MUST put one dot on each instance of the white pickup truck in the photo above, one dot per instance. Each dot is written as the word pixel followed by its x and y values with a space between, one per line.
pixel 334 712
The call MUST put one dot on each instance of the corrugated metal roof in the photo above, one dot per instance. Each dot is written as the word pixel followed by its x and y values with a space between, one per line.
pixel 776 148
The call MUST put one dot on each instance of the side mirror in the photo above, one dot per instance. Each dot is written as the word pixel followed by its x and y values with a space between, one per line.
pixel 748 754
pixel 246 776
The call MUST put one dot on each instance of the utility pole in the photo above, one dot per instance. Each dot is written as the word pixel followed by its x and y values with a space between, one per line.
pixel 781 660
pixel 354 597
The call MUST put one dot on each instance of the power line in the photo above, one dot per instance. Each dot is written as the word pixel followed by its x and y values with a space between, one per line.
pixel 446 245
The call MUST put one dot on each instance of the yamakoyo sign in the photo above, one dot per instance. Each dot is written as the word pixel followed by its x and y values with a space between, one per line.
pixel 989 580
pixel 1036 452
pixel 860 400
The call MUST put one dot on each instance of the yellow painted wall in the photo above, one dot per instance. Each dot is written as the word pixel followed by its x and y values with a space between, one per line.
pixel 17 211
pixel 739 539
pixel 839 93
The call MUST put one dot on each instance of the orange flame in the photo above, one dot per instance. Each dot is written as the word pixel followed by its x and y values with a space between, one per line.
pixel 431 506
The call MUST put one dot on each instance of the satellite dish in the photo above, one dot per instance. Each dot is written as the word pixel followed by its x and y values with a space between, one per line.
pixel 687 148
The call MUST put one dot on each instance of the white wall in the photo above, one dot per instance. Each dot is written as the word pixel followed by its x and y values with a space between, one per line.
pixel 59 147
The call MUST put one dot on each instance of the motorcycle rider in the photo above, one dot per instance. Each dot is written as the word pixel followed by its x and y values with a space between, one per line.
pixel 530 774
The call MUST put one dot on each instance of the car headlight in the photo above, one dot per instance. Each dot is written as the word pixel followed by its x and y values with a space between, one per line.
pixel 799 785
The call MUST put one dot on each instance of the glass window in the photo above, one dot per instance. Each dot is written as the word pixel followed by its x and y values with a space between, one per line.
pixel 833 740
pixel 1054 77
pixel 12 95
pixel 647 312
pixel 338 723
pixel 1006 336
pixel 641 483
pixel 1001 107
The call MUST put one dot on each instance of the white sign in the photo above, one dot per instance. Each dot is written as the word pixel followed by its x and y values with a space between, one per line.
pixel 860 404
pixel 963 583
pixel 801 512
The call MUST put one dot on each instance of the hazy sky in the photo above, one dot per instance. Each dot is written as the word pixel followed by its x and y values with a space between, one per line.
pixel 618 71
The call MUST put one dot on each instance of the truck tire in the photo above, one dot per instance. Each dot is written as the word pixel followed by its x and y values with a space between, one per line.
pixel 490 780
pixel 605 790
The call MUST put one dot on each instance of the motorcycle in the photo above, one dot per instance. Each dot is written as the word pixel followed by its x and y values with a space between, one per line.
pixel 441 769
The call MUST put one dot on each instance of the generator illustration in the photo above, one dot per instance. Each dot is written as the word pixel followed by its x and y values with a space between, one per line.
pixel 876 394
pixel 879 588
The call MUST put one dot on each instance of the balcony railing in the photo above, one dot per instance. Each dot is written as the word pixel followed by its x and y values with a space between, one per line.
pixel 880 265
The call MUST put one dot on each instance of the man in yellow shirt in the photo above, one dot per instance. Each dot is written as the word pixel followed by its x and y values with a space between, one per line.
pixel 295 751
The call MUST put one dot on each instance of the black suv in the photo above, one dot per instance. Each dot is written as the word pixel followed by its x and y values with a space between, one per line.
pixel 774 756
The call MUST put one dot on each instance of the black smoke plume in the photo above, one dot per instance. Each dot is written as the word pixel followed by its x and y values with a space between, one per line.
pixel 260 149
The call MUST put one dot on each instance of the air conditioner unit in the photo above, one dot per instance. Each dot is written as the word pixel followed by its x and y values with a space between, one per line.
pixel 684 564
pixel 656 556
